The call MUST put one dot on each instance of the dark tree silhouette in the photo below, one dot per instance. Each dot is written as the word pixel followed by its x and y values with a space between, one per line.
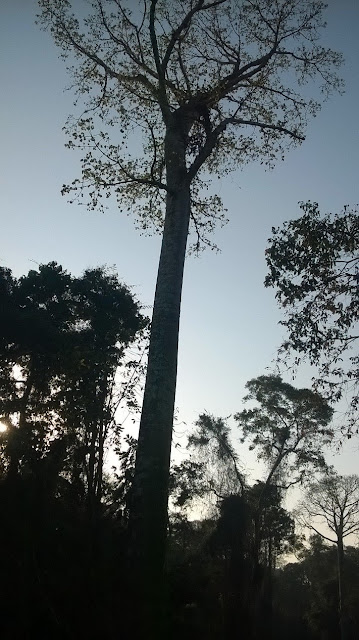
pixel 306 594
pixel 314 266
pixel 174 91
pixel 287 428
pixel 334 502
pixel 63 340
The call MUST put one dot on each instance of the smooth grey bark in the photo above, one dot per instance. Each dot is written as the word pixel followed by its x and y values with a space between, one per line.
pixel 148 512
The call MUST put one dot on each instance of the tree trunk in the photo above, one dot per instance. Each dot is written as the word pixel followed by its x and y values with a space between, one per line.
pixel 342 617
pixel 148 513
pixel 16 448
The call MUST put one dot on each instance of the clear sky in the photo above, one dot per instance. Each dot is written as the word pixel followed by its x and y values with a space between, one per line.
pixel 229 323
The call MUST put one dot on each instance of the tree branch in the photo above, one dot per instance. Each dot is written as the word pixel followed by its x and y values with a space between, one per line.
pixel 131 177
pixel 162 93
pixel 264 125
pixel 101 63
pixel 175 37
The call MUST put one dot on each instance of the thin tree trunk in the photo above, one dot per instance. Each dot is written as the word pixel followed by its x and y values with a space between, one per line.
pixel 102 433
pixel 90 469
pixel 342 621
pixel 269 590
pixel 16 449
pixel 99 471
pixel 148 513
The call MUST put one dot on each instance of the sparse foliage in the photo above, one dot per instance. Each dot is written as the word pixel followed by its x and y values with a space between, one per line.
pixel 314 266
pixel 211 443
pixel 334 503
pixel 220 69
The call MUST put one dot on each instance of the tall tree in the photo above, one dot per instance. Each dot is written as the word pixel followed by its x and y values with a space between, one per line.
pixel 63 352
pixel 288 428
pixel 208 86
pixel 252 530
pixel 35 320
pixel 334 502
pixel 314 266
pixel 63 340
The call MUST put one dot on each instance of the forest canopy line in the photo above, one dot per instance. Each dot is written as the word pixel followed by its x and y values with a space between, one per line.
pixel 63 345
pixel 209 86
pixel 66 513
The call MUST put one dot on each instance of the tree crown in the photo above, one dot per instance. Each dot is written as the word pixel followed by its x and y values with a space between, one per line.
pixel 314 266
pixel 229 75
pixel 288 428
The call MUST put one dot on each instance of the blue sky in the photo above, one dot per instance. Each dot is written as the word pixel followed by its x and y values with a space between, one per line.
pixel 229 324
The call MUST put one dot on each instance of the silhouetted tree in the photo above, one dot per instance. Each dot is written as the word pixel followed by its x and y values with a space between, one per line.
pixel 205 84
pixel 62 341
pixel 213 461
pixel 244 558
pixel 334 502
pixel 314 266
pixel 288 428
pixel 34 325
pixel 306 594
pixel 90 388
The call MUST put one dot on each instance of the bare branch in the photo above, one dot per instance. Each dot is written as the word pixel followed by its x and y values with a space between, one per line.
pixel 175 37
pixel 162 94
pixel 130 176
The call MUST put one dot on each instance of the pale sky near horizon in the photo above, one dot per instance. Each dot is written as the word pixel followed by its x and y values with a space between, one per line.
pixel 229 323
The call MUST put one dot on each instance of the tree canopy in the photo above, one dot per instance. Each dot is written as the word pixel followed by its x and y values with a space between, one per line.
pixel 314 266
pixel 63 340
pixel 333 502
pixel 231 74
pixel 288 428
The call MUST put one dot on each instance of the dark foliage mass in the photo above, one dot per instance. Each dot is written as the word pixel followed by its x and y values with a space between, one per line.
pixel 65 571
pixel 314 266
pixel 66 365
pixel 306 595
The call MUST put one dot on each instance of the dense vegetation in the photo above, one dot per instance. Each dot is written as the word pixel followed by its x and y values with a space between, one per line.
pixel 230 571
pixel 313 264
pixel 173 93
